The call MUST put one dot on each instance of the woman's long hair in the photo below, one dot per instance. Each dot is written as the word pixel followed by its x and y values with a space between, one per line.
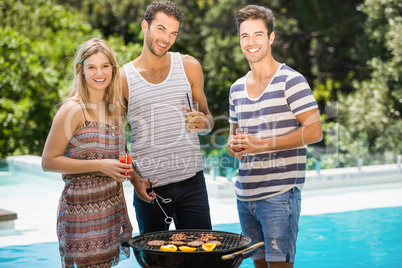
pixel 113 96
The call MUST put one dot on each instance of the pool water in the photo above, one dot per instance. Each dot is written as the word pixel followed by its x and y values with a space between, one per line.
pixel 363 238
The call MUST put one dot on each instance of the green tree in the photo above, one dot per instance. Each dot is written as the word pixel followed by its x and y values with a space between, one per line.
pixel 349 51
pixel 37 39
pixel 371 116
pixel 38 42
pixel 111 17
pixel 317 38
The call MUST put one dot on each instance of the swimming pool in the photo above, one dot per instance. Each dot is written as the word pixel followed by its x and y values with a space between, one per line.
pixel 328 237
pixel 363 238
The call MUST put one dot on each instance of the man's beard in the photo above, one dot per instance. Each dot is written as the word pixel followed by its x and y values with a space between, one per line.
pixel 153 50
pixel 259 58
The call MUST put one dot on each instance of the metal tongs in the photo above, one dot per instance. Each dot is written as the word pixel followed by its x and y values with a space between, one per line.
pixel 168 220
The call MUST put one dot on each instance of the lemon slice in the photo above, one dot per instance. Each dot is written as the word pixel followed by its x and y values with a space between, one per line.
pixel 169 248
pixel 187 249
pixel 208 246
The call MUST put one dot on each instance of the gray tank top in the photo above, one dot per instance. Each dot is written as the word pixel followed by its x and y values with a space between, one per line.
pixel 162 147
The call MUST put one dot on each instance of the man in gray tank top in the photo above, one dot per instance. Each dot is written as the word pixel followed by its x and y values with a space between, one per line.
pixel 158 85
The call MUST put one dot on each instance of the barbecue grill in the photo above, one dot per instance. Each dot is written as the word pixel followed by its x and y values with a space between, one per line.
pixel 233 250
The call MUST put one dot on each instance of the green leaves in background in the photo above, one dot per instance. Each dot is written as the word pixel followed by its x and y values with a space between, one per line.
pixel 38 40
pixel 349 51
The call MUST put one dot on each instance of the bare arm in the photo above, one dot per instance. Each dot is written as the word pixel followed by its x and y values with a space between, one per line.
pixel 66 122
pixel 310 132
pixel 195 76
pixel 124 85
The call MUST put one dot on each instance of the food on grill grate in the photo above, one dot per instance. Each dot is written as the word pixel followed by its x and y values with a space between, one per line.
pixel 169 248
pixel 153 241
pixel 228 255
pixel 195 243
pixel 207 237
pixel 187 249
pixel 178 243
pixel 156 243
pixel 216 242
pixel 208 246
pixel 178 237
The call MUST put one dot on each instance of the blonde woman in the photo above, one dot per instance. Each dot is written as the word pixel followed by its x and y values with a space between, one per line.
pixel 83 144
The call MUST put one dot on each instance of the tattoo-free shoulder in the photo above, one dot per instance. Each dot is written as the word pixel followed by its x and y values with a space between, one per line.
pixel 193 69
pixel 189 61
pixel 71 103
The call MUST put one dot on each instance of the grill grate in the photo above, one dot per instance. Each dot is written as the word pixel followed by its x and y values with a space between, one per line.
pixel 229 241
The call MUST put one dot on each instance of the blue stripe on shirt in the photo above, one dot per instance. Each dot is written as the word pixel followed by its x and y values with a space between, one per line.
pixel 271 170
pixel 260 184
pixel 272 114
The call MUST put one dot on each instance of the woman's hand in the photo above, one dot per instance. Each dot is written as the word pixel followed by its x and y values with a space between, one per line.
pixel 116 170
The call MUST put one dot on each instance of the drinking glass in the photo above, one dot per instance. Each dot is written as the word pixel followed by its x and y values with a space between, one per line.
pixel 126 159
pixel 194 108
pixel 242 130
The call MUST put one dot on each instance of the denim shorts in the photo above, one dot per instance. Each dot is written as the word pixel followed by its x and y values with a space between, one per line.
pixel 275 221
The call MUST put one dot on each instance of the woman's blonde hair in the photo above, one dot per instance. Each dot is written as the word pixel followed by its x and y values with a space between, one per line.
pixel 113 95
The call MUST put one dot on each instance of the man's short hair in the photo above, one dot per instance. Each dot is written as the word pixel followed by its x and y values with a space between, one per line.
pixel 254 12
pixel 167 7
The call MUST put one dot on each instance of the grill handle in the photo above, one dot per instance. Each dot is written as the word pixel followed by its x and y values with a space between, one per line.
pixel 247 252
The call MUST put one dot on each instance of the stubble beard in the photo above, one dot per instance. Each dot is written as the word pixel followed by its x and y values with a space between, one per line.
pixel 150 47
pixel 257 58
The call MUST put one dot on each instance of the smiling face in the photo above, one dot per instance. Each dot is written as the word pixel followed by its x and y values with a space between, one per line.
pixel 161 33
pixel 254 41
pixel 98 71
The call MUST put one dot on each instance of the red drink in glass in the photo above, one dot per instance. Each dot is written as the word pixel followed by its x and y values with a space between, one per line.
pixel 126 159
pixel 241 130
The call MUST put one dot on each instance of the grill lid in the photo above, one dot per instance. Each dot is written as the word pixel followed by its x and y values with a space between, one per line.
pixel 230 241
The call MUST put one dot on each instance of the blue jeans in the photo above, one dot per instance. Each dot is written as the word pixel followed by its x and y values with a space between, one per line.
pixel 189 207
pixel 275 221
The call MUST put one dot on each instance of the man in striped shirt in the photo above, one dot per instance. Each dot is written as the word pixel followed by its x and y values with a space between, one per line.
pixel 276 105
pixel 159 86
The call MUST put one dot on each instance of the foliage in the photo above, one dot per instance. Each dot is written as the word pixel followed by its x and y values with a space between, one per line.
pixel 112 17
pixel 38 41
pixel 349 51
pixel 371 116
pixel 311 38
pixel 316 38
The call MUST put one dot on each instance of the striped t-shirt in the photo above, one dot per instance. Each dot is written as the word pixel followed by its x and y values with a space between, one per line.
pixel 163 149
pixel 271 114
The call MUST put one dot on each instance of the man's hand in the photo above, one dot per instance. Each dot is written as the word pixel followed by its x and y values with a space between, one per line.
pixel 241 144
pixel 141 185
pixel 197 122
pixel 231 149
